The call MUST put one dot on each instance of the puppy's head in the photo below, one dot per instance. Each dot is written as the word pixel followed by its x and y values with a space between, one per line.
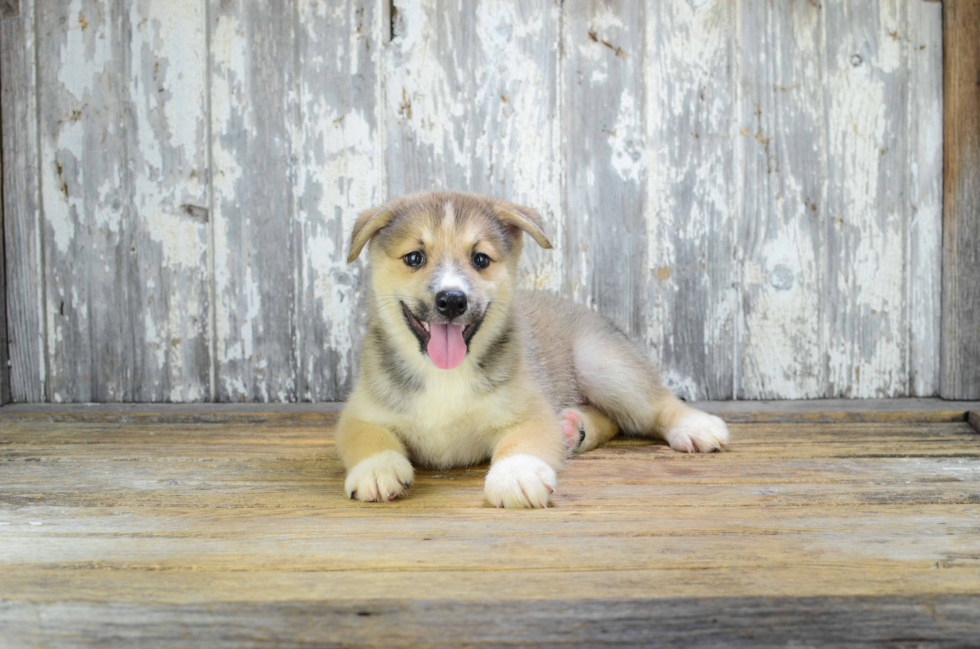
pixel 441 264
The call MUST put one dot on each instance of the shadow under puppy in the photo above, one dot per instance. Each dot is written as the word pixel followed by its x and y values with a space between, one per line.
pixel 459 365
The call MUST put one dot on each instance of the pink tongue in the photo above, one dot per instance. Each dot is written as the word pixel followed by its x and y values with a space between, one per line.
pixel 446 347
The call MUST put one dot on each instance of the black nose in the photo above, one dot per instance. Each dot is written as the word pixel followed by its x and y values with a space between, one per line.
pixel 451 303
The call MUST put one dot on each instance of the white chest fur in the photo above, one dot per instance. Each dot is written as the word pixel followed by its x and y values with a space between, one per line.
pixel 449 423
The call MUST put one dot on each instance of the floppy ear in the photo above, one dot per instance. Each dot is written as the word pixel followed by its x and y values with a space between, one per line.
pixel 367 225
pixel 524 218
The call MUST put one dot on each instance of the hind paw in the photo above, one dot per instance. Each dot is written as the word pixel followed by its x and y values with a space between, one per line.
pixel 698 432
pixel 573 426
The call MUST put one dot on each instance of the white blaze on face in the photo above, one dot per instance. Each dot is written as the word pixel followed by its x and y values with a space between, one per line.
pixel 449 278
pixel 449 218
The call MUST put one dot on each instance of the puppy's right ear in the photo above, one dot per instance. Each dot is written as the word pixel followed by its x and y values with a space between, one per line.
pixel 518 217
pixel 367 225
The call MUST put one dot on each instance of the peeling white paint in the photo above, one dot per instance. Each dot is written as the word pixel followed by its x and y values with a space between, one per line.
pixel 627 141
pixel 689 105
pixel 925 230
pixel 780 139
pixel 866 354
pixel 780 249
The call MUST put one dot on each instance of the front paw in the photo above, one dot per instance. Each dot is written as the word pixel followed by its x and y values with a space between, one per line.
pixel 520 481
pixel 698 432
pixel 382 477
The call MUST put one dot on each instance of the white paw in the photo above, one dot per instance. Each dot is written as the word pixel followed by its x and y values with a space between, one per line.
pixel 698 432
pixel 520 481
pixel 382 477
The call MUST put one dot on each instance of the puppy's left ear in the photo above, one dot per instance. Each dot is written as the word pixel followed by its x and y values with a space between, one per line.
pixel 524 218
pixel 367 225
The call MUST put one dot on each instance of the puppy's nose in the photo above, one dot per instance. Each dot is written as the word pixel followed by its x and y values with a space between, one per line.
pixel 451 303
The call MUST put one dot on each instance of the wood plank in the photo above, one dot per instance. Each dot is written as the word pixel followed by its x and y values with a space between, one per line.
pixel 734 622
pixel 21 206
pixel 865 203
pixel 812 406
pixel 301 456
pixel 97 523
pixel 123 144
pixel 460 547
pixel 925 60
pixel 753 510
pixel 689 94
pixel 811 410
pixel 111 519
pixel 781 143
pixel 337 143
pixel 960 373
pixel 472 105
pixel 296 141
pixel 253 72
pixel 318 425
pixel 699 292
pixel 604 120
pixel 4 342
pixel 107 585
pixel 6 11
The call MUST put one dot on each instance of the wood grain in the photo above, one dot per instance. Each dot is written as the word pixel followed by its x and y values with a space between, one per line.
pixel 865 205
pixel 22 207
pixel 960 376
pixel 603 106
pixel 694 622
pixel 4 350
pixel 236 530
pixel 925 56
pixel 766 222
pixel 122 126
pixel 744 412
pixel 255 251
pixel 336 131
pixel 295 96
pixel 781 142
pixel 690 97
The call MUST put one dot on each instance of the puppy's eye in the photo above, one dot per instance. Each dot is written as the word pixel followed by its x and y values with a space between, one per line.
pixel 481 260
pixel 414 259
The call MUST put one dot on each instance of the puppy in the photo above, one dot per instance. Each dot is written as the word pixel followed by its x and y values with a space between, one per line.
pixel 460 366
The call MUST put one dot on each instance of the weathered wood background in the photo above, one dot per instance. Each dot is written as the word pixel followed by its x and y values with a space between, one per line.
pixel 754 189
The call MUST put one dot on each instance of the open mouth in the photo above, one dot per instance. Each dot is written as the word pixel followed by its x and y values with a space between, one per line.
pixel 445 343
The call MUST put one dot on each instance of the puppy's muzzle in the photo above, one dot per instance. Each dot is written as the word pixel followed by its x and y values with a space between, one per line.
pixel 451 304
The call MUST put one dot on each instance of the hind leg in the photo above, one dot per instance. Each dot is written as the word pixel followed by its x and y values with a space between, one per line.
pixel 687 429
pixel 586 428
pixel 615 375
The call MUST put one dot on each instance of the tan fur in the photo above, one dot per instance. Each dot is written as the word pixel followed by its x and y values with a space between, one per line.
pixel 594 426
pixel 535 363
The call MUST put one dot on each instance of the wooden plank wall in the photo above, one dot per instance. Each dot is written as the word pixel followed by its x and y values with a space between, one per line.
pixel 4 345
pixel 8 9
pixel 961 214
pixel 752 189
pixel 21 205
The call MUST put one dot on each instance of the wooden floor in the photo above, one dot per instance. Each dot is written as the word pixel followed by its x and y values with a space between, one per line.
pixel 823 525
